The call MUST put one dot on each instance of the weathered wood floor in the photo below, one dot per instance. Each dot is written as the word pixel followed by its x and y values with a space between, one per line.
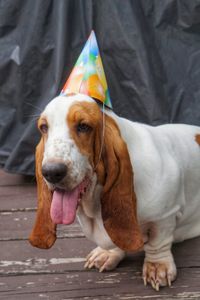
pixel 58 273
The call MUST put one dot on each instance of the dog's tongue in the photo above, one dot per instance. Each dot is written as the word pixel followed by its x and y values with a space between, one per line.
pixel 64 205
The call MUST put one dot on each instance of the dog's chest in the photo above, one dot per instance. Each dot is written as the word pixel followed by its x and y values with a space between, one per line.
pixel 89 216
pixel 94 230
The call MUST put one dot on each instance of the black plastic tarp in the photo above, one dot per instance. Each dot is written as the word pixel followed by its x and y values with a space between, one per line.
pixel 150 51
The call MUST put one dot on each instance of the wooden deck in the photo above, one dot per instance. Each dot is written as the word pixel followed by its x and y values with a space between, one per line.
pixel 58 273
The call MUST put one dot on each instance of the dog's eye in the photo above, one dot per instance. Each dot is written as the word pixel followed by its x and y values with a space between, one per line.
pixel 82 127
pixel 43 128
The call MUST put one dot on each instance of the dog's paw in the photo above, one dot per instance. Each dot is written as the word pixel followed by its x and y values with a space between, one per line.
pixel 159 273
pixel 104 259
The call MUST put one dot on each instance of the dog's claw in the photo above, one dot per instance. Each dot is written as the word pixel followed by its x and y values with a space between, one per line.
pixel 88 264
pixel 153 284
pixel 169 280
pixel 145 280
pixel 101 269
pixel 104 259
pixel 157 286
pixel 91 265
pixel 159 274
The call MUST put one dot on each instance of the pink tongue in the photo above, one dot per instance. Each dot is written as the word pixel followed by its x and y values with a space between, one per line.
pixel 64 205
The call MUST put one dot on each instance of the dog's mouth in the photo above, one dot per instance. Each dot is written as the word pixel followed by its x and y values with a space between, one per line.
pixel 64 203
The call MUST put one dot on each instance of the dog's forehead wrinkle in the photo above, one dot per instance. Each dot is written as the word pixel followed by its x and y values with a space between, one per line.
pixel 60 105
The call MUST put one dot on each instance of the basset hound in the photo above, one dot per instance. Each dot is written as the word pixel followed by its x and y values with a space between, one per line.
pixel 132 186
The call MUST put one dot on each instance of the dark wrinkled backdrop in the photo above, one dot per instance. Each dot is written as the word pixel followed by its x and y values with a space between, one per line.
pixel 150 50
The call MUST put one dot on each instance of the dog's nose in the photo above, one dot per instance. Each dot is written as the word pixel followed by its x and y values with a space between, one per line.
pixel 54 172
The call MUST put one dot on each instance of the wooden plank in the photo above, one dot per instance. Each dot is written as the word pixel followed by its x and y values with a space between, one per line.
pixel 17 197
pixel 17 225
pixel 8 179
pixel 119 284
pixel 187 253
pixel 73 284
pixel 19 257
pixel 68 256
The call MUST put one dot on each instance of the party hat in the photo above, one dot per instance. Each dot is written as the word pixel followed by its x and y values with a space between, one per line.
pixel 87 76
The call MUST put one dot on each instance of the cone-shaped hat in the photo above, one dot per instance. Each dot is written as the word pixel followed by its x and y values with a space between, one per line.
pixel 87 76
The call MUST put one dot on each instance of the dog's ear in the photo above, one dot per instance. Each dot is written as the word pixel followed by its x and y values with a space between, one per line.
pixel 118 199
pixel 43 234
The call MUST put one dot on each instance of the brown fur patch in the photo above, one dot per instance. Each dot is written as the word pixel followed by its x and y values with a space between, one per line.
pixel 43 234
pixel 197 139
pixel 89 143
pixel 41 121
pixel 119 199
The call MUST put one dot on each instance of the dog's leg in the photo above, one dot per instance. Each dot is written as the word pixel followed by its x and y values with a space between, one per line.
pixel 159 268
pixel 104 259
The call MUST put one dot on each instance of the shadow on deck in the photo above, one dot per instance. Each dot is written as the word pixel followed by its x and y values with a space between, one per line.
pixel 58 273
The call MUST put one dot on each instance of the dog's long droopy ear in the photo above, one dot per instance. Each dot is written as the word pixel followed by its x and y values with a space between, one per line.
pixel 118 199
pixel 43 234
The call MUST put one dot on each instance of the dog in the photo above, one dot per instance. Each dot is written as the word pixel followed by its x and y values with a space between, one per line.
pixel 132 186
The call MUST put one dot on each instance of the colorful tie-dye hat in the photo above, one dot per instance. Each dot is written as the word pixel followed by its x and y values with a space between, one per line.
pixel 87 76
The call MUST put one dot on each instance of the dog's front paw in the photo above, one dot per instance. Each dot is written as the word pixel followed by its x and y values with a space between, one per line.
pixel 159 273
pixel 104 259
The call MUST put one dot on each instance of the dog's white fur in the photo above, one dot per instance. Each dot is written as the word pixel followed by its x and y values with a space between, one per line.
pixel 166 165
